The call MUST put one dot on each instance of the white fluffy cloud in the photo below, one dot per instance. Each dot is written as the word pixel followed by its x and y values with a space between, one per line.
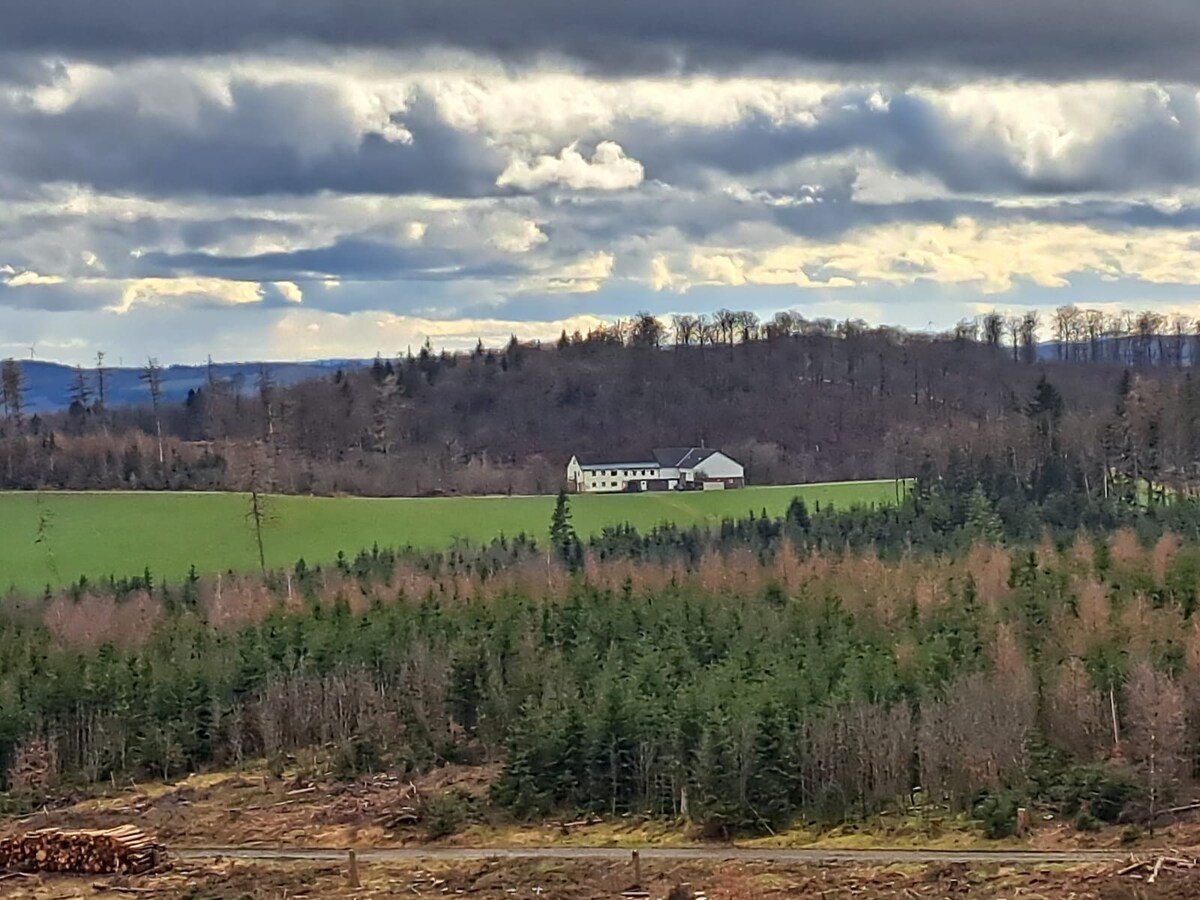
pixel 308 334
pixel 430 188
pixel 609 169
pixel 26 278
pixel 157 291
pixel 290 291
pixel 990 257
pixel 582 276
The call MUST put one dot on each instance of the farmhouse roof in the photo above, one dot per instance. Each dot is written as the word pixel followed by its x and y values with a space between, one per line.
pixel 682 457
pixel 665 458
pixel 616 460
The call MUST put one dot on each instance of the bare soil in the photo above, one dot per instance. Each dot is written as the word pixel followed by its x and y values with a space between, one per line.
pixel 308 808
pixel 254 809
pixel 593 881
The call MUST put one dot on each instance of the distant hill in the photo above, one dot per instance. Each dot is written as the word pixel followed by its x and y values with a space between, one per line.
pixel 48 386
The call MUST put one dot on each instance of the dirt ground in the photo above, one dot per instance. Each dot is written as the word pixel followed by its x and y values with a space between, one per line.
pixel 252 808
pixel 596 880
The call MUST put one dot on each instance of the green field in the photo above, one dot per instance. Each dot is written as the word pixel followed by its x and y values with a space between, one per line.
pixel 100 534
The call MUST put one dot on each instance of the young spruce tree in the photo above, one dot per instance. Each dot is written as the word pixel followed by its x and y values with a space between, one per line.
pixel 563 540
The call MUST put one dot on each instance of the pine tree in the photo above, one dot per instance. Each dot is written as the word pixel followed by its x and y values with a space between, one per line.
pixel 12 389
pixel 1046 409
pixel 571 765
pixel 1120 457
pixel 983 522
pixel 718 806
pixel 797 514
pixel 768 789
pixel 563 540
pixel 520 785
pixel 613 750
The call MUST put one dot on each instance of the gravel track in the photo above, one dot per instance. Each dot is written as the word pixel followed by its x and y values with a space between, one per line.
pixel 864 857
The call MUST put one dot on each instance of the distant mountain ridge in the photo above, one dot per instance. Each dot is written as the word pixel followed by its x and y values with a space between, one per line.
pixel 49 386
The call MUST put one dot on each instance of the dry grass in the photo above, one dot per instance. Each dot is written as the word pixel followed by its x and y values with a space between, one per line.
pixel 251 808
pixel 595 880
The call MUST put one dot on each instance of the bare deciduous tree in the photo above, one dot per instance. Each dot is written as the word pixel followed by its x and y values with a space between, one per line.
pixel 1156 732
pixel 152 376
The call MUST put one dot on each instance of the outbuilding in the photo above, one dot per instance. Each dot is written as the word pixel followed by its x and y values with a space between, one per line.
pixel 665 469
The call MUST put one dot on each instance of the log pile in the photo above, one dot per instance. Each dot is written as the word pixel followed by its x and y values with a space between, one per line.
pixel 124 850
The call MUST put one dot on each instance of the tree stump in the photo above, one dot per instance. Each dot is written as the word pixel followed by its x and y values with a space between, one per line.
pixel 1023 822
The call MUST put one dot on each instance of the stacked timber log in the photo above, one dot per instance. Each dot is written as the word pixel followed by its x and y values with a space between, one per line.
pixel 124 850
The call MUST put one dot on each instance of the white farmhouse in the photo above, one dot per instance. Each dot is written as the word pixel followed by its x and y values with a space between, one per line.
pixel 669 469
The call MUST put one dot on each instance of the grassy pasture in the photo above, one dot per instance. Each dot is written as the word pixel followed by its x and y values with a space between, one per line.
pixel 98 534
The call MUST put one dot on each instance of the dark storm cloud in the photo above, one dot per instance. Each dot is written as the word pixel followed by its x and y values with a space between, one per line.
pixel 1056 38
pixel 25 70
pixel 252 146
pixel 909 135
pixel 1153 146
pixel 828 212
pixel 50 298
pixel 206 232
pixel 653 209
pixel 359 259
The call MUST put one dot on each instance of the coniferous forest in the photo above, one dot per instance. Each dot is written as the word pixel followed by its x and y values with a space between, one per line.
pixel 962 650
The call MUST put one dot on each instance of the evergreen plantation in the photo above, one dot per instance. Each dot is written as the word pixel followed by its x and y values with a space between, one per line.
pixel 961 650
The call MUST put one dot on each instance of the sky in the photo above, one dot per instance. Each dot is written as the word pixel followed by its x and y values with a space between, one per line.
pixel 250 179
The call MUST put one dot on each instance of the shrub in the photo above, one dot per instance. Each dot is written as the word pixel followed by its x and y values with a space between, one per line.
pixel 1131 834
pixel 359 756
pixel 445 814
pixel 1103 791
pixel 997 812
